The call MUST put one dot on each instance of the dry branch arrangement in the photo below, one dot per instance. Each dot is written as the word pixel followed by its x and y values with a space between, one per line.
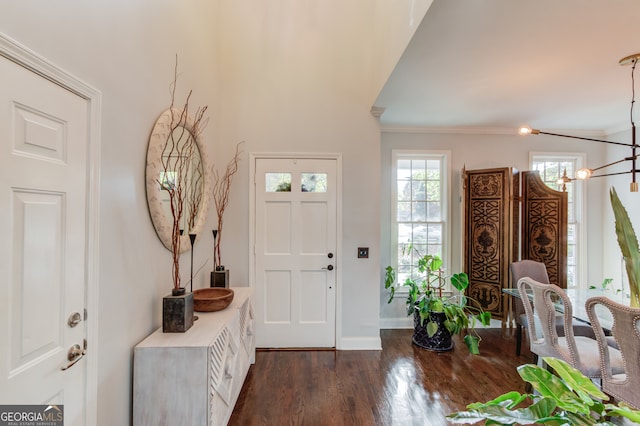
pixel 180 179
pixel 221 188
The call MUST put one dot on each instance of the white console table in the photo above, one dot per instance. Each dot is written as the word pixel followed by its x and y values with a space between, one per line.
pixel 194 378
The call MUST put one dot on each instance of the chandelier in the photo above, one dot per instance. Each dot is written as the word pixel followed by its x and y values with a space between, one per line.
pixel 585 173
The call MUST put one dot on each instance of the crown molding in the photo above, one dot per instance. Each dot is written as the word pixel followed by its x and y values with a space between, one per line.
pixel 377 111
pixel 498 131
pixel 452 130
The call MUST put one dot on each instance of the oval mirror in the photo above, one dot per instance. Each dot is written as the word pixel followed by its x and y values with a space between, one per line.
pixel 177 178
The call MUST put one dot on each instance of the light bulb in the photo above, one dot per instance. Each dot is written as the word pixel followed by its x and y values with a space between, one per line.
pixel 524 130
pixel 583 174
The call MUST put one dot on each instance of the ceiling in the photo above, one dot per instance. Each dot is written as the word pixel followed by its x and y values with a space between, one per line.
pixel 494 65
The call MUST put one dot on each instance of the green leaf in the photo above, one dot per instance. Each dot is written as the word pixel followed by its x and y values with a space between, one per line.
pixel 389 282
pixel 543 408
pixel 622 410
pixel 498 414
pixel 509 400
pixel 437 305
pixel 432 328
pixel 628 243
pixel 435 263
pixel 551 386
pixel 472 343
pixel 485 318
pixel 575 380
pixel 460 281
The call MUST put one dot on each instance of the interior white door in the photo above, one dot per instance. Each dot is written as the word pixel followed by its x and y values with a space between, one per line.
pixel 43 216
pixel 295 252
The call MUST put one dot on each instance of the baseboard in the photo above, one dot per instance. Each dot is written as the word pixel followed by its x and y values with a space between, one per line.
pixel 403 323
pixel 396 323
pixel 360 344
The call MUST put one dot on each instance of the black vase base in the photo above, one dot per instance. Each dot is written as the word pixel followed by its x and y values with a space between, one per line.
pixel 433 347
pixel 220 278
pixel 177 313
pixel 440 341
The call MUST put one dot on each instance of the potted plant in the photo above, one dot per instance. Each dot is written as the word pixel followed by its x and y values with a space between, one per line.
pixel 628 243
pixel 437 315
pixel 565 398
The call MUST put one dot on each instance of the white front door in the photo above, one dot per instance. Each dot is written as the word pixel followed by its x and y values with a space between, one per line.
pixel 43 245
pixel 295 252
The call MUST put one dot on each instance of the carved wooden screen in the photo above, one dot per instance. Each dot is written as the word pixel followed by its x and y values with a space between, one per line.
pixel 544 226
pixel 490 234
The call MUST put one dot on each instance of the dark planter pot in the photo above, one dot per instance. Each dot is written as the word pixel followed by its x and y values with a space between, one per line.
pixel 440 342
pixel 177 311
pixel 220 278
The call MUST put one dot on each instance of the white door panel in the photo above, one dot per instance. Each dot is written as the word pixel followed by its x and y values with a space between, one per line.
pixel 43 213
pixel 295 236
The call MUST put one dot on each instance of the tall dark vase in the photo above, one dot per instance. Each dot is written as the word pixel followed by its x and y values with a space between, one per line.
pixel 440 342
pixel 220 277
pixel 177 311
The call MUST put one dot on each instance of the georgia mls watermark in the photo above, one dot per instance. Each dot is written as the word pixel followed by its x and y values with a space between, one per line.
pixel 31 415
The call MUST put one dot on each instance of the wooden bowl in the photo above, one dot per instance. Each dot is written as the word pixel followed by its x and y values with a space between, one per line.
pixel 212 299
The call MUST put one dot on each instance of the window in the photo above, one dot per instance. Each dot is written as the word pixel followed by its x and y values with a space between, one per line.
pixel 309 182
pixel 419 208
pixel 551 167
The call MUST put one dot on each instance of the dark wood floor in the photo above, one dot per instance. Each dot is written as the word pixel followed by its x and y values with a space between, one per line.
pixel 400 385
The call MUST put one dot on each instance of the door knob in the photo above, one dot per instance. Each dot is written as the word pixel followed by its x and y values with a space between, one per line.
pixel 330 268
pixel 75 354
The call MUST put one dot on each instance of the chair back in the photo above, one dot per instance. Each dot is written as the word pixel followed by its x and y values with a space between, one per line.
pixel 626 332
pixel 543 335
pixel 526 268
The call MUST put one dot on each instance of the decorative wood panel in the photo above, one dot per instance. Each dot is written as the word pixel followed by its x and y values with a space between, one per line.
pixel 544 226
pixel 490 215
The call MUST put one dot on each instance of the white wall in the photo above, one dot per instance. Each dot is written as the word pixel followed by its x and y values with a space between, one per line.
pixel 480 151
pixel 301 77
pixel 283 76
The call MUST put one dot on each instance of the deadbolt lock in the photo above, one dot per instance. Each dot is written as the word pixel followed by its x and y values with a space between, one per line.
pixel 74 319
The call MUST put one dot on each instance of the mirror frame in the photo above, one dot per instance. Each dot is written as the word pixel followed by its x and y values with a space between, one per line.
pixel 161 221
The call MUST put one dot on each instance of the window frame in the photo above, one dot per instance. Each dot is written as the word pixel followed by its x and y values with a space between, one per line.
pixel 579 203
pixel 444 157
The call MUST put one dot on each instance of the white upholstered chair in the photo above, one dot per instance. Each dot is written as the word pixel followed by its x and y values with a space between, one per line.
pixel 624 386
pixel 580 352
pixel 538 272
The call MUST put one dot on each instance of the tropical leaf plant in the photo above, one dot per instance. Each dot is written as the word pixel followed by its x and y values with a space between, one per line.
pixel 564 398
pixel 628 242
pixel 426 294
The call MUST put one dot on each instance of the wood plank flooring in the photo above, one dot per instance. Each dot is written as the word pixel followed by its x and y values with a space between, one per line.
pixel 400 385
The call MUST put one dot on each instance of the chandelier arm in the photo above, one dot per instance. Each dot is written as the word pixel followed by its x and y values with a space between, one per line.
pixel 584 139
pixel 614 174
pixel 615 162
pixel 634 156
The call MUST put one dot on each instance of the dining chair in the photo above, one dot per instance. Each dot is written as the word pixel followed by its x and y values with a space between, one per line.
pixel 623 386
pixel 538 272
pixel 580 352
